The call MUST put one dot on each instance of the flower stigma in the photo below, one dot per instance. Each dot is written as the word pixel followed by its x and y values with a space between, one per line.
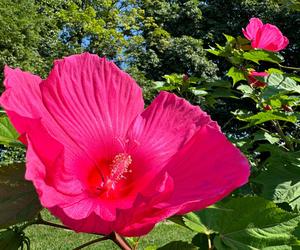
pixel 119 167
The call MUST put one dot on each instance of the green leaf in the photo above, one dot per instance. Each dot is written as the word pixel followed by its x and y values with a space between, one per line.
pixel 173 79
pixel 262 117
pixel 229 39
pixel 247 92
pixel 295 77
pixel 274 70
pixel 178 245
pixel 281 179
pixel 262 55
pixel 8 134
pixel 266 136
pixel 249 223
pixel 18 199
pixel 11 239
pixel 215 52
pixel 253 223
pixel 193 222
pixel 197 91
pixel 151 248
pixel 236 74
pixel 277 82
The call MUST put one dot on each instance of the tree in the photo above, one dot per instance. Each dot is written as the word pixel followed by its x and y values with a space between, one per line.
pixel 169 39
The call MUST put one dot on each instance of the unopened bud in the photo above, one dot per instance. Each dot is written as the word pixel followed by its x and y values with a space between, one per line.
pixel 287 108
pixel 268 107
pixel 185 77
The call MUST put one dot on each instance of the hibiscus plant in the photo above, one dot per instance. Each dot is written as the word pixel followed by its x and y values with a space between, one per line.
pixel 104 164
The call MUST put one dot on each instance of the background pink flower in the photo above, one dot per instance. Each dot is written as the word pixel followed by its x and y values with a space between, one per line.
pixel 102 163
pixel 253 81
pixel 265 36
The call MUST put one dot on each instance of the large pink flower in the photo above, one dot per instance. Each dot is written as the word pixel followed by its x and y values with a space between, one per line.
pixel 265 36
pixel 102 163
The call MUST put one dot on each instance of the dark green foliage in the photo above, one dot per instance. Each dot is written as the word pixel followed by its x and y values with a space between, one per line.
pixel 169 41
pixel 18 199
pixel 244 223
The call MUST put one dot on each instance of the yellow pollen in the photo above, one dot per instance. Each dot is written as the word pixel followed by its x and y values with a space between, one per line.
pixel 120 166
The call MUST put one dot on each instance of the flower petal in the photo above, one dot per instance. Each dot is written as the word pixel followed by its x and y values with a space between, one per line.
pixel 254 25
pixel 92 100
pixel 159 132
pixel 22 96
pixel 214 168
pixel 284 43
pixel 269 38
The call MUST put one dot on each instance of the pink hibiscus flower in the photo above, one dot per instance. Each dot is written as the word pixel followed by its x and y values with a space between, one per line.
pixel 265 36
pixel 101 163
pixel 253 81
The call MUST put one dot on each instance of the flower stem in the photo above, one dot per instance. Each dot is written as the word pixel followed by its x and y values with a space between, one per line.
pixel 287 142
pixel 120 241
pixel 47 223
pixel 91 242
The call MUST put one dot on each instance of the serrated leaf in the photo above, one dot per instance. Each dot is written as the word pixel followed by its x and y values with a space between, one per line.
pixel 8 134
pixel 178 245
pixel 254 223
pixel 281 179
pixel 204 220
pixel 277 82
pixel 262 117
pixel 262 55
pixel 18 199
pixel 236 74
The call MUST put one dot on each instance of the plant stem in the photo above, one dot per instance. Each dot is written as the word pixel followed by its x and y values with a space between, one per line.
pixel 209 243
pixel 136 244
pixel 287 67
pixel 91 242
pixel 120 241
pixel 282 135
pixel 47 223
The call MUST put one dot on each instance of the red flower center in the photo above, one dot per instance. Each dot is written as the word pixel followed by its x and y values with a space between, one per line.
pixel 105 181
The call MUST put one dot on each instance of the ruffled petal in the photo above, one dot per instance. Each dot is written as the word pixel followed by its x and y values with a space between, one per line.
pixel 284 43
pixel 213 169
pixel 93 101
pixel 36 171
pixel 22 96
pixel 91 224
pixel 158 133
pixel 254 25
pixel 269 38
pixel 207 169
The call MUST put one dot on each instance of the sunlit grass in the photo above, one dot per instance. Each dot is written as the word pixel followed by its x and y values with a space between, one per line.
pixel 44 237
